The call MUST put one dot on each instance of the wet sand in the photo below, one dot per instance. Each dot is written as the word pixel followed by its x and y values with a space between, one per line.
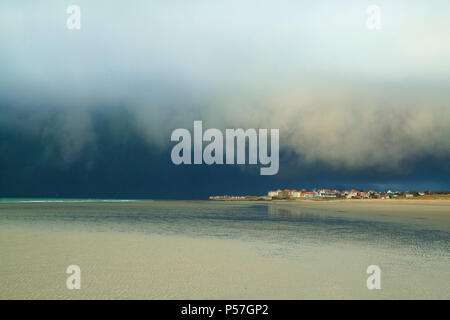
pixel 410 208
pixel 432 213
pixel 133 265
pixel 136 266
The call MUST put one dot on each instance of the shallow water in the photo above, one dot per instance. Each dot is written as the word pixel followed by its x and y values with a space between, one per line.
pixel 250 221
pixel 406 247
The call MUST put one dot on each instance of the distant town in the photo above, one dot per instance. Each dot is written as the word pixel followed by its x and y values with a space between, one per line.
pixel 327 194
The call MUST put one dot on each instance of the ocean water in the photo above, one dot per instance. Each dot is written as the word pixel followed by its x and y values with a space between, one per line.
pixel 250 221
pixel 409 247
pixel 58 200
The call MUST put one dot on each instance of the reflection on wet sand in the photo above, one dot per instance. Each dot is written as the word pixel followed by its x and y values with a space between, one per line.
pixel 292 213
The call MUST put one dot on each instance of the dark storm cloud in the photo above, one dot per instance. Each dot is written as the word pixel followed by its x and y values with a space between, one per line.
pixel 93 109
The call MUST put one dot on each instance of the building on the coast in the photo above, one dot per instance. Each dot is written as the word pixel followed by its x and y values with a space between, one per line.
pixel 352 194
pixel 284 194
pixel 326 193
pixel 293 194
pixel 279 194
pixel 274 193
pixel 227 197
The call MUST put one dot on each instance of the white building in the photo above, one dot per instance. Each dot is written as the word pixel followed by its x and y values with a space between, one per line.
pixel 274 193
pixel 294 194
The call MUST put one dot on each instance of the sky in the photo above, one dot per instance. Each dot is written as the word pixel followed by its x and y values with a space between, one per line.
pixel 89 112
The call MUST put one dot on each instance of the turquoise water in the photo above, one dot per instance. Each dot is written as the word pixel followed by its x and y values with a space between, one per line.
pixel 31 200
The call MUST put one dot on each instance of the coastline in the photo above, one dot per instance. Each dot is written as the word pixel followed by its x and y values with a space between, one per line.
pixel 358 201
pixel 387 201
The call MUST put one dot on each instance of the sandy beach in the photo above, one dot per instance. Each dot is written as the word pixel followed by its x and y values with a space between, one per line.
pixel 134 265
pixel 118 266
